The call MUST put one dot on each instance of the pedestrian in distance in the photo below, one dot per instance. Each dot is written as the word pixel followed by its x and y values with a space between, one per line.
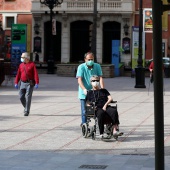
pixel 151 67
pixel 36 57
pixel 28 77
pixel 84 72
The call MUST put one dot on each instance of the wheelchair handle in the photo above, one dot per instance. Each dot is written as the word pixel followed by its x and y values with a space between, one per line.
pixel 113 101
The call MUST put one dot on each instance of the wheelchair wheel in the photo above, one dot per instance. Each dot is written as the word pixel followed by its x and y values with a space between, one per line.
pixel 93 135
pixel 84 130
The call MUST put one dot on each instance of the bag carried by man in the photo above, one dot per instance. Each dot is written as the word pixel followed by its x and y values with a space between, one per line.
pixel 31 82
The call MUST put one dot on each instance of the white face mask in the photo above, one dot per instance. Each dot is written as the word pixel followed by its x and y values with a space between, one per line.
pixel 95 84
pixel 22 60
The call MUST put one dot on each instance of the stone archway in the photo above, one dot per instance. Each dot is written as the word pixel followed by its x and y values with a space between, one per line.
pixel 79 40
pixel 111 31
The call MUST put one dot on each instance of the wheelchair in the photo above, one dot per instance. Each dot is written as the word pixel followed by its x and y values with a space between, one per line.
pixel 91 131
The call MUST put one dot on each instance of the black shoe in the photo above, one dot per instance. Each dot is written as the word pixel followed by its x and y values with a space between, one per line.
pixel 26 113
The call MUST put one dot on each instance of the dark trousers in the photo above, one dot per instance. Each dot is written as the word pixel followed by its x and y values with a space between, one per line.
pixel 113 114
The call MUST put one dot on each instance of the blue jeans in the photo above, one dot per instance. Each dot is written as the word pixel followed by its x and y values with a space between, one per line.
pixel 83 111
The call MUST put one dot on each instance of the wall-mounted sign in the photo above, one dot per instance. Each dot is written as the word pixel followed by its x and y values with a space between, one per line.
pixel 126 45
pixel 19 44
pixel 37 44
pixel 135 46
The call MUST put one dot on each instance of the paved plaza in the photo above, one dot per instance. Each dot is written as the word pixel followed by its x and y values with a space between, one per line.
pixel 50 137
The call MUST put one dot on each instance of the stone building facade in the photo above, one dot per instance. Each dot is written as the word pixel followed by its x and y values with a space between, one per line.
pixel 73 19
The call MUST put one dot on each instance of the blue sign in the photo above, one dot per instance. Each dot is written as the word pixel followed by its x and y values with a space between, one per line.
pixel 115 56
pixel 16 51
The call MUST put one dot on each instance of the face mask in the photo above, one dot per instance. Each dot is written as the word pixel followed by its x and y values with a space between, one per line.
pixel 90 63
pixel 95 84
pixel 22 60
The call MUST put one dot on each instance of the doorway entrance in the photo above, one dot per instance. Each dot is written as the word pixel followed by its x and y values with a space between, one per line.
pixel 79 40
pixel 56 39
pixel 111 31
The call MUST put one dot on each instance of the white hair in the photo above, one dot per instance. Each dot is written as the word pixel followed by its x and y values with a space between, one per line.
pixel 94 77
pixel 25 55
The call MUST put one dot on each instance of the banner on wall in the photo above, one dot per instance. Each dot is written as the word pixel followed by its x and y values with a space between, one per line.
pixel 135 46
pixel 147 20
pixel 19 45
pixel 54 32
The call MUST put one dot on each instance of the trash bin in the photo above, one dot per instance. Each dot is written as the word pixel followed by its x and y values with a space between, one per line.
pixel 167 72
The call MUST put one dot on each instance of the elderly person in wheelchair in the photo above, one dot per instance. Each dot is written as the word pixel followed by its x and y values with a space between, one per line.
pixel 101 98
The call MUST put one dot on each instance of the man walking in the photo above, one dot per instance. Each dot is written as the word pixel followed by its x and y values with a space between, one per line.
pixel 84 72
pixel 28 76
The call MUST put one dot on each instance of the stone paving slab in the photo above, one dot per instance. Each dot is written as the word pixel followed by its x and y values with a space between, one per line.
pixel 50 137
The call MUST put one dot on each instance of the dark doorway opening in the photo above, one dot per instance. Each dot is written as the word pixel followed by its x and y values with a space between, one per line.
pixel 79 40
pixel 56 39
pixel 111 31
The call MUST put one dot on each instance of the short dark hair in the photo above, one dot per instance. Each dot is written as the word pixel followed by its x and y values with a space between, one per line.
pixel 85 55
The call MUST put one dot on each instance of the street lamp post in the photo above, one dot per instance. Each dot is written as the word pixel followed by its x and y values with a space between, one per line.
pixel 94 30
pixel 51 4
pixel 139 70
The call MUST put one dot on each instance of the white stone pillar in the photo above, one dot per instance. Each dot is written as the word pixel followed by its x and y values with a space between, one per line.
pixel 99 42
pixel 65 42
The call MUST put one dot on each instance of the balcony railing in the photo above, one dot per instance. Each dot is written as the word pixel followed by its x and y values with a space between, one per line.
pixel 86 6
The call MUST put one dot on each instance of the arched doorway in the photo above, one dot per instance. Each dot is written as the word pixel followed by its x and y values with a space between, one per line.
pixel 111 31
pixel 79 40
pixel 56 39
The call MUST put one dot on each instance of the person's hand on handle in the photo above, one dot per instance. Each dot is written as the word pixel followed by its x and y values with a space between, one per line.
pixel 85 91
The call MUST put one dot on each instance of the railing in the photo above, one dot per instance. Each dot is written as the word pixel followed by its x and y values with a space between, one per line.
pixel 81 6
pixel 108 5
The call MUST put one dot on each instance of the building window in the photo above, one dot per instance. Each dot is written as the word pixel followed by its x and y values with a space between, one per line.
pixel 9 22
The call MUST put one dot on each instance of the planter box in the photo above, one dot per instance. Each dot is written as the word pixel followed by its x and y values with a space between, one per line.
pixel 69 70
pixel 108 70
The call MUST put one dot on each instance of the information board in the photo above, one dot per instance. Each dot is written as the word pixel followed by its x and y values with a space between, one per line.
pixel 19 45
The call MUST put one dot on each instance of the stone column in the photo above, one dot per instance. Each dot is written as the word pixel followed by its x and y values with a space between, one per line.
pixel 65 40
pixel 99 40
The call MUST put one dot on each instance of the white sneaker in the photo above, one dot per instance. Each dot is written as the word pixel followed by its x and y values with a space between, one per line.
pixel 106 136
pixel 101 136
